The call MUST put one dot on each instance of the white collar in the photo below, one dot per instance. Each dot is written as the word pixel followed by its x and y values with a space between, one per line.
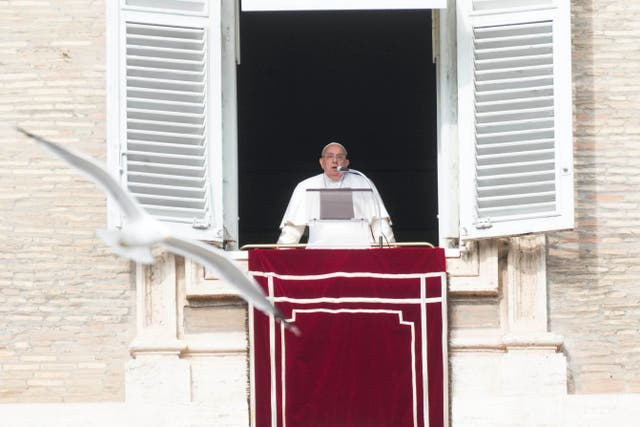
pixel 329 183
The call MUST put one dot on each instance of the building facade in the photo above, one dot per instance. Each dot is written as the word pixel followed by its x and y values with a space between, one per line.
pixel 543 326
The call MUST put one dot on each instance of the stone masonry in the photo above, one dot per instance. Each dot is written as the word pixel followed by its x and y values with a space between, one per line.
pixel 66 303
pixel 594 271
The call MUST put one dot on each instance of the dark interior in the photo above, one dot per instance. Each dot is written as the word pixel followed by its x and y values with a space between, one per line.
pixel 363 78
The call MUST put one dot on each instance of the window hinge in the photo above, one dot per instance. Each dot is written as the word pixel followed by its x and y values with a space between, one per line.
pixel 123 161
pixel 200 224
pixel 483 223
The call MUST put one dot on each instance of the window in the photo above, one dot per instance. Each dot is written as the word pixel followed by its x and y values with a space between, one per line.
pixel 504 147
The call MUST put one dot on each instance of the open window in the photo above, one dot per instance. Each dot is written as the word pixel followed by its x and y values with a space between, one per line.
pixel 504 150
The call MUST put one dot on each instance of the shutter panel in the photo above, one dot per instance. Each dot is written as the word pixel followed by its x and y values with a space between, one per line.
pixel 515 117
pixel 180 6
pixel 169 115
pixel 166 123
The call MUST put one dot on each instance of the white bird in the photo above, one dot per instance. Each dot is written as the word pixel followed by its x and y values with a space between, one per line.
pixel 141 231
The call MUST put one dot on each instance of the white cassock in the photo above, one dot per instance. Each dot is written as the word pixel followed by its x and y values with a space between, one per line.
pixel 296 216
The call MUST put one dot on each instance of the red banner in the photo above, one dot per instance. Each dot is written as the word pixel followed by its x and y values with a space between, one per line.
pixel 373 346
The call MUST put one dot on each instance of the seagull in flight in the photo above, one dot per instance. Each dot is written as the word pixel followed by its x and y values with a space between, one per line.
pixel 142 231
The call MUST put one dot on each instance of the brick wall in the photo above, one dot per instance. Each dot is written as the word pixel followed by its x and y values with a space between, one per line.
pixel 594 271
pixel 66 304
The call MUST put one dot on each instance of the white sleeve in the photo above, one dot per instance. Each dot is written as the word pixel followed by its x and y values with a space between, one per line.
pixel 290 234
pixel 387 232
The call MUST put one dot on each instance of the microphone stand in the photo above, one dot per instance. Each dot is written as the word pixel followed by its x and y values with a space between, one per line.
pixel 374 194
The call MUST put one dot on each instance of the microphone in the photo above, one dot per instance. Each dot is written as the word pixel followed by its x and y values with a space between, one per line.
pixel 374 194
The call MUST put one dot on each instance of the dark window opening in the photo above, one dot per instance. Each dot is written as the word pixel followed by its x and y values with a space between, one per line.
pixel 362 78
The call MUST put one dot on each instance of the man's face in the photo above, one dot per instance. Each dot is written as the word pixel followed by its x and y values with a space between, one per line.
pixel 333 157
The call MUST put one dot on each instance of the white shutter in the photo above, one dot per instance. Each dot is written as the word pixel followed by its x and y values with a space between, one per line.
pixel 177 6
pixel 283 5
pixel 168 113
pixel 514 92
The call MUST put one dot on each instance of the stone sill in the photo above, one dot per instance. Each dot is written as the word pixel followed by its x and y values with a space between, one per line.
pixel 472 272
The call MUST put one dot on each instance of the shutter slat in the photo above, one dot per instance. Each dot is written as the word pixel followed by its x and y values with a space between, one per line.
pixel 507 43
pixel 175 138
pixel 525 29
pixel 524 135
pixel 513 147
pixel 485 95
pixel 157 73
pixel 517 212
pixel 165 180
pixel 514 51
pixel 182 87
pixel 514 72
pixel 516 188
pixel 169 5
pixel 519 157
pixel 165 105
pixel 172 213
pixel 166 159
pixel 166 63
pixel 515 199
pixel 515 178
pixel 173 56
pixel 166 169
pixel 527 61
pixel 515 125
pixel 514 104
pixel 164 94
pixel 487 86
pixel 167 200
pixel 170 190
pixel 166 42
pixel 166 116
pixel 164 31
pixel 166 148
pixel 160 126
pixel 516 167
pixel 510 116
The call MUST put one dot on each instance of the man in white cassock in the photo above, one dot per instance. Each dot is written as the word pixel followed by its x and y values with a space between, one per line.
pixel 333 155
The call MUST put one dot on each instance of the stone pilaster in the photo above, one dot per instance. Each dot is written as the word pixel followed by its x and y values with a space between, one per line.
pixel 157 373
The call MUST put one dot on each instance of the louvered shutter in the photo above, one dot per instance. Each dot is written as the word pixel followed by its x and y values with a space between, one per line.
pixel 168 110
pixel 177 6
pixel 514 92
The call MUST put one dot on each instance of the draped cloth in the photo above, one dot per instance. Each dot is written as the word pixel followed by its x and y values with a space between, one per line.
pixel 373 346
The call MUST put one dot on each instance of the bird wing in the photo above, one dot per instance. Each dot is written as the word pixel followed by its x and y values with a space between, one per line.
pixel 207 255
pixel 96 173
pixel 218 261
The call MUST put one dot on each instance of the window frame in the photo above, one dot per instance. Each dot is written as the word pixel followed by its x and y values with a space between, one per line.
pixel 288 5
pixel 117 16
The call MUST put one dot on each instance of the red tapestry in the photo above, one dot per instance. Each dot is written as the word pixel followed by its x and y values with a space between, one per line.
pixel 374 337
